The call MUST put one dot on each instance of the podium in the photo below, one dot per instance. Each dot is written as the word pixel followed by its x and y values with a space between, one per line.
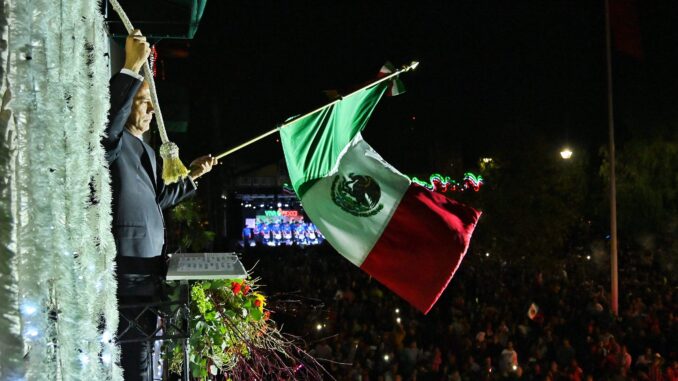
pixel 205 266
pixel 173 315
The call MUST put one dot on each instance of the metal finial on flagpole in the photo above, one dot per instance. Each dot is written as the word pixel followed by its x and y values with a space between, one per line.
pixel 412 66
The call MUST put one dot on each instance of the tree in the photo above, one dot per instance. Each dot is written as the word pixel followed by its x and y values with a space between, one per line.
pixel 187 227
pixel 532 200
pixel 646 177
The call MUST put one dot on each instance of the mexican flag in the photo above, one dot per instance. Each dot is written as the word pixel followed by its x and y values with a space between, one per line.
pixel 410 239
pixel 396 87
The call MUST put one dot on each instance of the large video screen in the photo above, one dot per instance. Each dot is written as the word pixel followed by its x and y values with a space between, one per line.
pixel 278 227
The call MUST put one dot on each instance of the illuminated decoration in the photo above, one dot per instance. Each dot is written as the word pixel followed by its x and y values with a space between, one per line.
pixel 281 227
pixel 566 153
pixel 280 212
pixel 287 189
pixel 440 183
pixel 153 60
pixel 57 257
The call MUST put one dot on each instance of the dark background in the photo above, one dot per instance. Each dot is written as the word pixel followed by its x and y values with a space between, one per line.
pixel 511 80
pixel 489 71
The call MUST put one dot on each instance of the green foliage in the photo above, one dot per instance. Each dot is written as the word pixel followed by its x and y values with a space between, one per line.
pixel 532 200
pixel 189 226
pixel 227 317
pixel 646 178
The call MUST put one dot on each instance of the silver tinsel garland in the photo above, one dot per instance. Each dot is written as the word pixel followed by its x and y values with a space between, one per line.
pixel 57 285
pixel 11 345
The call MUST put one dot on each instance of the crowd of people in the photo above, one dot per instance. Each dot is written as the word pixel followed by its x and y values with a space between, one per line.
pixel 499 319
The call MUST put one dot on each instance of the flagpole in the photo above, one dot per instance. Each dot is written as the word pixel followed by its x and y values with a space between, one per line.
pixel 412 66
pixel 614 274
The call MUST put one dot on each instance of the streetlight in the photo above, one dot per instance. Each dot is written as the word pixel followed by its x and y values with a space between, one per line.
pixel 565 153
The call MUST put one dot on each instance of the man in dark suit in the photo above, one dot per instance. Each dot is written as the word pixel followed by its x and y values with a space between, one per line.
pixel 139 195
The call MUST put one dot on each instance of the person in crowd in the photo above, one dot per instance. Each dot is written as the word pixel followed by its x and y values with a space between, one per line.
pixel 570 341
pixel 672 371
pixel 509 359
pixel 575 372
pixel 656 372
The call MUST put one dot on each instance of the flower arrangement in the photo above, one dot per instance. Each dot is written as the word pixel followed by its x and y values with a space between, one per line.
pixel 233 337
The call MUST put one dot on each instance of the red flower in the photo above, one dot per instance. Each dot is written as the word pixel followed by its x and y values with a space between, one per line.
pixel 257 303
pixel 235 286
pixel 246 289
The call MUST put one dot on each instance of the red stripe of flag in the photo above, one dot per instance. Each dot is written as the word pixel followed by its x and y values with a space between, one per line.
pixel 422 246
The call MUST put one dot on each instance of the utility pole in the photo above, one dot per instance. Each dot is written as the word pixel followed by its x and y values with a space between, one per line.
pixel 614 274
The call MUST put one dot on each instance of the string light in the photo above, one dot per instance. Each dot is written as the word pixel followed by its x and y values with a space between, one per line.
pixel 153 59
pixel 84 359
pixel 31 332
pixel 440 183
pixel 106 357
pixel 28 308
pixel 106 337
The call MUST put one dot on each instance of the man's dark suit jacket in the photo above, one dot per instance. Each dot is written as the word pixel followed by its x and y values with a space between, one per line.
pixel 139 194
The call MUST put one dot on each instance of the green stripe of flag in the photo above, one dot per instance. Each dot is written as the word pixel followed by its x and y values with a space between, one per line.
pixel 313 143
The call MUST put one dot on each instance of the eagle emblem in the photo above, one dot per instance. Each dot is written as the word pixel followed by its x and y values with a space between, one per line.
pixel 357 194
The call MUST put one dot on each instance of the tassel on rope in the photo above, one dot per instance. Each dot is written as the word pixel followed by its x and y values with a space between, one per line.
pixel 173 169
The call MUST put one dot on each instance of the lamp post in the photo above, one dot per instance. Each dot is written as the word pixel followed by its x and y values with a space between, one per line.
pixel 566 153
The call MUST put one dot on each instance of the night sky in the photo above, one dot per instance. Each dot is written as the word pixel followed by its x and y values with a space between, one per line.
pixel 490 74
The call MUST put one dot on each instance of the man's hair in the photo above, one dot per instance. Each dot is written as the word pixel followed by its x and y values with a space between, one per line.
pixel 144 85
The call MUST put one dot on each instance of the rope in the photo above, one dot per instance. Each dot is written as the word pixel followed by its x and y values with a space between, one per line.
pixel 148 74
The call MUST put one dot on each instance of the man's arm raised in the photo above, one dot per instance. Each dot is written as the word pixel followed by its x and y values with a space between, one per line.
pixel 123 87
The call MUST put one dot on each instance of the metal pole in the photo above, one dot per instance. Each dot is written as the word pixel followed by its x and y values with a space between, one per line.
pixel 614 275
pixel 186 376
